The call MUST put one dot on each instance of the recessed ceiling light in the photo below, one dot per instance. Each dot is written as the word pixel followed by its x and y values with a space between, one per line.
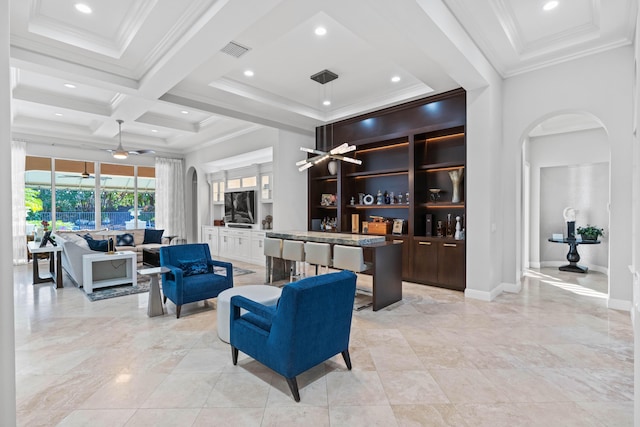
pixel 83 8
pixel 248 73
pixel 395 79
pixel 320 31
pixel 154 130
pixel 70 85
pixel 550 5
pixel 326 103
pixel 58 114
pixel 184 112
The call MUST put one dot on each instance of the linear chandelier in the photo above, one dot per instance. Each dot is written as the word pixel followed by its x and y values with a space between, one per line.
pixel 335 153
pixel 323 77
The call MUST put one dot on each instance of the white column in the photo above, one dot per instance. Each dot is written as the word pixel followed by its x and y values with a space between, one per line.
pixel 7 337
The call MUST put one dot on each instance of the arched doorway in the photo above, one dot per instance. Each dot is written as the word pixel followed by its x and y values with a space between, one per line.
pixel 565 163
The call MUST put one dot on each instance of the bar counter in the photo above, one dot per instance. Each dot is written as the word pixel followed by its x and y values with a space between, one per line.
pixel 326 237
pixel 385 257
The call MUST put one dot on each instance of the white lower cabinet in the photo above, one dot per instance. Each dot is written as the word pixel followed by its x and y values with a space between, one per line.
pixel 241 245
pixel 257 247
pixel 211 235
pixel 235 244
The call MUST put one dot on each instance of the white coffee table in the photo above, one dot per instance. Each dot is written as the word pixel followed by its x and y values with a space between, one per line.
pixel 89 262
pixel 264 294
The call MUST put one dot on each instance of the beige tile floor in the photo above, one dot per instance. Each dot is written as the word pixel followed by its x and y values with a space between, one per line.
pixel 552 355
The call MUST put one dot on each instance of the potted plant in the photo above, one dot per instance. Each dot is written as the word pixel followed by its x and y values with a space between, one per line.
pixel 590 232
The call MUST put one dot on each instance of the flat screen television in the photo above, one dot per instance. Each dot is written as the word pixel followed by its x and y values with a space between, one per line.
pixel 240 207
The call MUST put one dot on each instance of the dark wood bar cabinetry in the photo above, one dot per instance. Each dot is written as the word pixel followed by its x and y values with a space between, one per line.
pixel 409 154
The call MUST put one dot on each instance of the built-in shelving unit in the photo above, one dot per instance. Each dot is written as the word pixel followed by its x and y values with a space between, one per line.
pixel 405 150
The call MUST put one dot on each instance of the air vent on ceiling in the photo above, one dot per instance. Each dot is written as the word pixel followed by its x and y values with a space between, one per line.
pixel 234 49
pixel 324 76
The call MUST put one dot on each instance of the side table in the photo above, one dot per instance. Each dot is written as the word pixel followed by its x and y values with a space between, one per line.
pixel 154 306
pixel 573 256
pixel 121 262
pixel 55 263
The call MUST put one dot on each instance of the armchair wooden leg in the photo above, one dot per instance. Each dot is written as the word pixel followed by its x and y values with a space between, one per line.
pixel 293 385
pixel 347 359
pixel 178 307
pixel 234 355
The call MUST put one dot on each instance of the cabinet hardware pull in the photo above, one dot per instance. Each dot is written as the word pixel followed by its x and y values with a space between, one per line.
pixel 450 245
pixel 425 243
pixel 398 241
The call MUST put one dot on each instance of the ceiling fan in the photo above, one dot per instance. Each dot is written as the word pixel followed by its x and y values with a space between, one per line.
pixel 84 175
pixel 121 153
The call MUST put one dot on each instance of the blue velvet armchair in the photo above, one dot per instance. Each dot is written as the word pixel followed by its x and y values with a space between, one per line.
pixel 310 324
pixel 192 277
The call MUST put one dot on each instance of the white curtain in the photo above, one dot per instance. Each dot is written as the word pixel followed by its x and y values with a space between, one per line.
pixel 170 201
pixel 19 214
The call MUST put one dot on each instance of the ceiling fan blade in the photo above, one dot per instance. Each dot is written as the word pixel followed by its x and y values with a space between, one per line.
pixel 136 152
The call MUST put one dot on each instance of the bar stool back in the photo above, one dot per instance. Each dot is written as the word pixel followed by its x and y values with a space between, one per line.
pixel 272 249
pixel 318 254
pixel 351 258
pixel 293 250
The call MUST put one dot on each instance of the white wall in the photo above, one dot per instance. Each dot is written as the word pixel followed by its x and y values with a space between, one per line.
pixel 568 169
pixel 599 85
pixel 483 192
pixel 289 185
pixel 586 189
pixel 7 340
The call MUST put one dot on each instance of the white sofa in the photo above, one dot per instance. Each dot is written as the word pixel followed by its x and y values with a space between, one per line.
pixel 74 246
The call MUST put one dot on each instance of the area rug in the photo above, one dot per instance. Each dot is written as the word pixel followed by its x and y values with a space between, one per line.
pixel 143 286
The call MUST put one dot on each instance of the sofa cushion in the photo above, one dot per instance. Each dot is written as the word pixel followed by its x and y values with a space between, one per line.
pixel 125 240
pixel 152 236
pixel 193 267
pixel 98 245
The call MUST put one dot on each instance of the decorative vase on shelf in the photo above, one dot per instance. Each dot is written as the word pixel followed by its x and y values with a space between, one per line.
pixel 458 233
pixel 456 179
pixel 333 167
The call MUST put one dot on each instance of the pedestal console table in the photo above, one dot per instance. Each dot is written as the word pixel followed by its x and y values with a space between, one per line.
pixel 573 256
pixel 386 258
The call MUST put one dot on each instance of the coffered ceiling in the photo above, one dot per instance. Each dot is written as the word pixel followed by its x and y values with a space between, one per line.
pixel 160 65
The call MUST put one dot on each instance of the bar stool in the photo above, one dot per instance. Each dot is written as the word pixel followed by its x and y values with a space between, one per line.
pixel 318 254
pixel 351 258
pixel 272 249
pixel 293 250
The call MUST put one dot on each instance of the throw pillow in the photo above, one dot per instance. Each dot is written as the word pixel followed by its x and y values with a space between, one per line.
pixel 98 245
pixel 125 240
pixel 152 236
pixel 192 267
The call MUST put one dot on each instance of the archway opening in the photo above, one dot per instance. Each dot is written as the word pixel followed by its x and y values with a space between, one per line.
pixel 565 164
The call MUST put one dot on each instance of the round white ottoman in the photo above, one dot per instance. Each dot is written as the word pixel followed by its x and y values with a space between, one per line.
pixel 264 294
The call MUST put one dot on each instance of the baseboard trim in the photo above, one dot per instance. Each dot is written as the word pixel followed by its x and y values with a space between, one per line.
pixel 534 264
pixel 483 295
pixel 513 288
pixel 618 304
